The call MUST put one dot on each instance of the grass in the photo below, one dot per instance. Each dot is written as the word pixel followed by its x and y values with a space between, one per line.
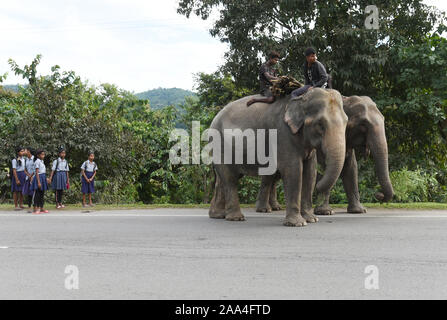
pixel 414 206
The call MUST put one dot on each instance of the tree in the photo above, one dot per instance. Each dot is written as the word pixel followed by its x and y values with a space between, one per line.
pixel 353 54
pixel 60 110
pixel 414 102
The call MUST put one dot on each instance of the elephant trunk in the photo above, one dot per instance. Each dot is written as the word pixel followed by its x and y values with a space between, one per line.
pixel 334 150
pixel 379 150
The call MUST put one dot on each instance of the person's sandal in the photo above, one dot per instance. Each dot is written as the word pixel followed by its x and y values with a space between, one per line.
pixel 45 211
pixel 36 212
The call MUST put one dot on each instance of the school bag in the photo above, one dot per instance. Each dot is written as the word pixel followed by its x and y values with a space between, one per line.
pixel 11 175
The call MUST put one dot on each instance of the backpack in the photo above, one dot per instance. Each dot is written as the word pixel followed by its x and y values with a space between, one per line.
pixel 57 165
pixel 11 175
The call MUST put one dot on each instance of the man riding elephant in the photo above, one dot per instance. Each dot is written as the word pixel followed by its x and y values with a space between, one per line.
pixel 314 73
pixel 267 73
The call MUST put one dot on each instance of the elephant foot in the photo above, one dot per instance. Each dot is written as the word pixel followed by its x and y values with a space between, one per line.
pixel 359 209
pixel 324 211
pixel 266 209
pixel 216 214
pixel 309 217
pixel 276 206
pixel 295 221
pixel 235 216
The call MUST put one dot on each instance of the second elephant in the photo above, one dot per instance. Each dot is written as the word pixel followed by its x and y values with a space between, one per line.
pixel 366 132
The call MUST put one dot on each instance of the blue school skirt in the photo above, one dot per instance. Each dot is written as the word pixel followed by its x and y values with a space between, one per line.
pixel 43 182
pixel 27 188
pixel 22 178
pixel 88 187
pixel 59 181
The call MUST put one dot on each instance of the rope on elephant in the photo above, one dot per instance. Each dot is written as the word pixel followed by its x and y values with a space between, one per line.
pixel 284 86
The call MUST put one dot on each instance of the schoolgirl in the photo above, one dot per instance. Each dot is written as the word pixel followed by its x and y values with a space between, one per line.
pixel 40 183
pixel 18 178
pixel 29 172
pixel 88 174
pixel 59 178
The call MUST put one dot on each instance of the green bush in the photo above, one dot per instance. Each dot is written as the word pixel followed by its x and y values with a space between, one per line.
pixel 413 186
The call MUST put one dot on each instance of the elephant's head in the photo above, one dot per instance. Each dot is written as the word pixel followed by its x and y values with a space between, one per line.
pixel 319 118
pixel 366 130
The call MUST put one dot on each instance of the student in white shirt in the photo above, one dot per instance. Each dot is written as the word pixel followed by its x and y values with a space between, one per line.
pixel 88 174
pixel 59 178
pixel 18 178
pixel 29 172
pixel 40 183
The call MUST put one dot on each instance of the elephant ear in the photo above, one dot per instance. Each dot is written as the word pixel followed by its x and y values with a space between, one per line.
pixel 294 116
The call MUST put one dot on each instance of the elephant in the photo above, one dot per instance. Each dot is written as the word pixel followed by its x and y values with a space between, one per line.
pixel 365 131
pixel 314 121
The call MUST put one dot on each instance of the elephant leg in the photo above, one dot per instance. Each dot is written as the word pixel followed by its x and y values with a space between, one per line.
pixel 273 199
pixel 229 178
pixel 324 209
pixel 217 208
pixel 349 176
pixel 262 203
pixel 309 181
pixel 292 178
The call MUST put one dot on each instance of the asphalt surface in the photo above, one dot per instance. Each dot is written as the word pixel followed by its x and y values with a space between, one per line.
pixel 182 254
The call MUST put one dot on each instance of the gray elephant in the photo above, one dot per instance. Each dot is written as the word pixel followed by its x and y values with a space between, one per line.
pixel 314 121
pixel 365 131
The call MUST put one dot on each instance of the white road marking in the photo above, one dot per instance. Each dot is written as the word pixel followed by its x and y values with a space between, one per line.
pixel 3 247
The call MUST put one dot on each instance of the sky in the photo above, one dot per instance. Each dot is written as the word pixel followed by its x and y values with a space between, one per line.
pixel 135 44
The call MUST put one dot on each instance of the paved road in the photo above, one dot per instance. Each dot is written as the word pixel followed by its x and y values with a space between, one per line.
pixel 182 254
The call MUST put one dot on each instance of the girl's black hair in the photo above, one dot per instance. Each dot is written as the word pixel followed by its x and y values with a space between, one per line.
pixel 19 162
pixel 90 153
pixel 39 152
pixel 60 150
pixel 31 150
pixel 18 149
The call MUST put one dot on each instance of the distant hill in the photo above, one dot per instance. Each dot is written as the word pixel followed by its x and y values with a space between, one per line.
pixel 11 87
pixel 159 98
pixel 163 97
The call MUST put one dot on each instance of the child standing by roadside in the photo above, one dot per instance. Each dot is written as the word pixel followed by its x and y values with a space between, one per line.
pixel 18 179
pixel 88 173
pixel 40 183
pixel 29 171
pixel 59 178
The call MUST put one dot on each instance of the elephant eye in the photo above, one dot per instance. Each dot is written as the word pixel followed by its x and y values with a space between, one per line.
pixel 319 127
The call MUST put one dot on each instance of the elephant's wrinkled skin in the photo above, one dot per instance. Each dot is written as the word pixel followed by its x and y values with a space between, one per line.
pixel 315 121
pixel 365 132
